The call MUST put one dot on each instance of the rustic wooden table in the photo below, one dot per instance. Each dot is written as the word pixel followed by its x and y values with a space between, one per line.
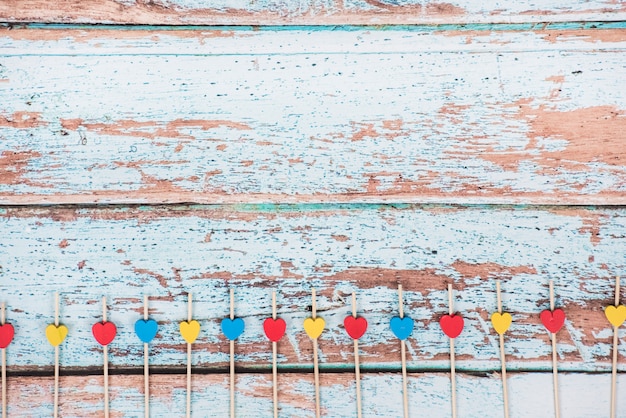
pixel 163 147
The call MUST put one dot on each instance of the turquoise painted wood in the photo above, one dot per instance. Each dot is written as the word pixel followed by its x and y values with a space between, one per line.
pixel 124 253
pixel 152 116
pixel 264 12
pixel 457 142
pixel 586 395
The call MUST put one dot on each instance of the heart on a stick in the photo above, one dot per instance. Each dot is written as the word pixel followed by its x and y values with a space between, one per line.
pixel 355 327
pixel 104 332
pixel 501 321
pixel 553 320
pixel 56 334
pixel 190 330
pixel 401 327
pixel 314 327
pixel 615 315
pixel 451 325
pixel 274 328
pixel 6 335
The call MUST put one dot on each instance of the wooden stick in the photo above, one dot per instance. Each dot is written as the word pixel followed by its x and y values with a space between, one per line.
pixel 56 358
pixel 452 361
pixel 555 378
pixel 232 357
pixel 4 365
pixel 405 396
pixel 189 315
pixel 105 351
pixel 274 362
pixel 316 370
pixel 505 391
pixel 146 370
pixel 357 368
pixel 615 342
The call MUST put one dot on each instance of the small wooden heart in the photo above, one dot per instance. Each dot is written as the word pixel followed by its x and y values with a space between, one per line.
pixel 553 320
pixel 6 335
pixel 355 327
pixel 190 330
pixel 501 321
pixel 274 328
pixel 451 325
pixel 314 327
pixel 615 315
pixel 232 328
pixel 104 332
pixel 56 334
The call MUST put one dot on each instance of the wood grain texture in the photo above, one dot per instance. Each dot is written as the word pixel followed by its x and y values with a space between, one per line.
pixel 585 396
pixel 122 253
pixel 316 12
pixel 154 116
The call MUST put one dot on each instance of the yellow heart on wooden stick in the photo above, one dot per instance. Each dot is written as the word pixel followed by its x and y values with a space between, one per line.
pixel 501 321
pixel 615 315
pixel 190 330
pixel 314 327
pixel 56 334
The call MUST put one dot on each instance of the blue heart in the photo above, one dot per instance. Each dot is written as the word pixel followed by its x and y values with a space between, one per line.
pixel 401 327
pixel 232 328
pixel 146 329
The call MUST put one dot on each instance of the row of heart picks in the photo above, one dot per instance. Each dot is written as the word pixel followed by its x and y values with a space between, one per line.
pixel 146 329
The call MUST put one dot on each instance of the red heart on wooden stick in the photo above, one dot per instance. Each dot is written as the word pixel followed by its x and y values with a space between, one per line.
pixel 104 332
pixel 355 327
pixel 6 335
pixel 451 325
pixel 553 320
pixel 274 328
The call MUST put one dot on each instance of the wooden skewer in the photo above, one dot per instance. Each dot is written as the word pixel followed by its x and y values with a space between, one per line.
pixel 357 368
pixel 452 361
pixel 105 351
pixel 405 396
pixel 56 358
pixel 4 365
pixel 555 378
pixel 146 370
pixel 614 368
pixel 189 315
pixel 316 370
pixel 232 357
pixel 274 361
pixel 505 391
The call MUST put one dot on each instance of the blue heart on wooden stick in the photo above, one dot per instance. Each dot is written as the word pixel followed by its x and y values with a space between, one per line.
pixel 146 329
pixel 401 327
pixel 232 328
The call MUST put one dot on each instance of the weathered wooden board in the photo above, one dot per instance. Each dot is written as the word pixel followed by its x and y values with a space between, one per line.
pixel 205 116
pixel 272 12
pixel 478 396
pixel 122 253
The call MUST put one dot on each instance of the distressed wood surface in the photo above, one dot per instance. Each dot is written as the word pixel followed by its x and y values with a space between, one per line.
pixel 209 116
pixel 122 253
pixel 585 396
pixel 271 12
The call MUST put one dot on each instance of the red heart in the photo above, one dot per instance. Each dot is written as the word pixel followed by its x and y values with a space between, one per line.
pixel 355 327
pixel 553 320
pixel 104 332
pixel 451 325
pixel 6 335
pixel 274 328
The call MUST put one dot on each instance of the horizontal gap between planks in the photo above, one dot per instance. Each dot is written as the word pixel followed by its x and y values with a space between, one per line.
pixel 160 370
pixel 302 207
pixel 345 28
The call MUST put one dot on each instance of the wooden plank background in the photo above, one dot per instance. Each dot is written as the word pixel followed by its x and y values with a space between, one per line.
pixel 310 151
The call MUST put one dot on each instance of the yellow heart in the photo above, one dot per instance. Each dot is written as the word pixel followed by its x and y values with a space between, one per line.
pixel 190 330
pixel 615 315
pixel 501 321
pixel 314 327
pixel 56 334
